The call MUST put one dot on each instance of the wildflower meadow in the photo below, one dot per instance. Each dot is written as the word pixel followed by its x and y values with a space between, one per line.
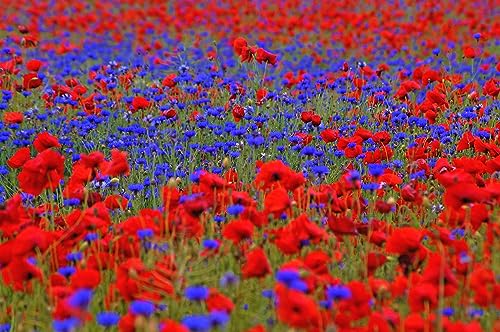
pixel 288 165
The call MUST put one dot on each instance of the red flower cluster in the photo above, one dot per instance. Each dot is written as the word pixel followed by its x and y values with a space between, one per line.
pixel 248 53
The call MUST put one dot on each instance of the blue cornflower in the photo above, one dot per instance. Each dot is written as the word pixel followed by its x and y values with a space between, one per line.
pixel 464 258
pixel 66 271
pixel 195 177
pixel 308 151
pixel 353 176
pixel 417 175
pixel 196 293
pixel 397 163
pixel 91 237
pixel 228 279
pixel 235 210
pixel 338 292
pixel 136 187
pixel 4 170
pixel 74 256
pixel 351 145
pixel 81 298
pixel 448 311
pixel 65 325
pixel 287 276
pixel 6 327
pixel 107 319
pixel 141 307
pixel 197 323
pixel 268 293
pixel 320 170
pixel 298 285
pixel 370 186
pixel 376 170
pixel 338 153
pixel 219 218
pixel 468 115
pixel 210 244
pixel 71 202
pixel 219 318
pixel 145 233
pixel 475 312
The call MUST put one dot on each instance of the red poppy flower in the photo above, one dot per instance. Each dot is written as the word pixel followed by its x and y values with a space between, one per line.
pixel 286 241
pixel 13 117
pixel 304 138
pixel 365 134
pixel 261 95
pixel 20 273
pixel 219 302
pixel 464 193
pixel 329 135
pixel 277 202
pixel 172 326
pixel 114 202
pixel 257 328
pixel 430 76
pixel 404 240
pixel 23 29
pixel 238 45
pixel 415 323
pixel 238 113
pixel 87 278
pixel 355 307
pixel 19 158
pixel 45 171
pixel 140 103
pixel 470 52
pixel 422 295
pixel 342 225
pixel 31 81
pixel 45 141
pixel 297 310
pixel 31 239
pixel 374 261
pixel 33 65
pixel 317 261
pixel 438 271
pixel 256 265
pixel 316 120
pixel 491 87
pixel 274 173
pixel 306 116
pixel 261 55
pixel 29 41
pixel 169 81
pixel 127 323
pixel 170 113
pixel 247 54
pixel 378 322
pixel 238 230
pixel 118 164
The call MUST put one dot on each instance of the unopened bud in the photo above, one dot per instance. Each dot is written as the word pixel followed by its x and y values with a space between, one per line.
pixel 391 200
pixel 133 273
pixel 171 183
pixel 140 323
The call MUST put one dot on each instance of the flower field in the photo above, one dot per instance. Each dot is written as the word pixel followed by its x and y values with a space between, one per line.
pixel 251 166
